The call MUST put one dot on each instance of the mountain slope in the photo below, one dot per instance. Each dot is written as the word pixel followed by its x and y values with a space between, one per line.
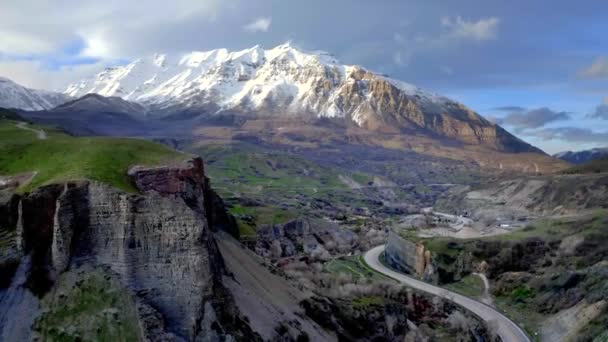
pixel 94 114
pixel 13 95
pixel 98 103
pixel 285 82
pixel 582 157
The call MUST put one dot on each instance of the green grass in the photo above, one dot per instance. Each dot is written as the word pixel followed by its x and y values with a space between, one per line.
pixel 367 301
pixel 246 229
pixel 522 294
pixel 88 306
pixel 362 178
pixel 521 314
pixel 471 285
pixel 276 178
pixel 237 170
pixel 353 265
pixel 62 157
pixel 242 210
pixel 249 218
pixel 7 238
pixel 442 245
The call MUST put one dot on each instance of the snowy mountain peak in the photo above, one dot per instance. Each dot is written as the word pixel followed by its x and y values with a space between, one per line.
pixel 13 95
pixel 288 82
pixel 284 78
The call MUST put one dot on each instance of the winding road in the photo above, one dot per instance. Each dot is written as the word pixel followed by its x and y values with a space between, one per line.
pixel 506 329
pixel 39 132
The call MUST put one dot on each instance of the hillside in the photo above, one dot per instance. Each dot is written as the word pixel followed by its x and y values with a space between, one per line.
pixel 594 166
pixel 9 114
pixel 60 157
pixel 95 115
pixel 87 260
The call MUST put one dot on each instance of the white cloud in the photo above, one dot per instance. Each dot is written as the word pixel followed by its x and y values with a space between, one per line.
pixel 453 31
pixel 258 25
pixel 397 58
pixel 598 69
pixel 483 29
pixel 110 28
pixel 397 37
pixel 33 74
pixel 23 43
pixel 446 70
pixel 601 111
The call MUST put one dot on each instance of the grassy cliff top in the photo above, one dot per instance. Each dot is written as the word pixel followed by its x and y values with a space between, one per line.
pixel 58 157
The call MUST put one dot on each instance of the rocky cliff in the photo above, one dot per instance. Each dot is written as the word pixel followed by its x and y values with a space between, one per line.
pixel 410 257
pixel 157 243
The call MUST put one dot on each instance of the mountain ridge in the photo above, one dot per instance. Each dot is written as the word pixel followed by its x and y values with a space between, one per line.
pixel 286 82
pixel 584 156
pixel 13 95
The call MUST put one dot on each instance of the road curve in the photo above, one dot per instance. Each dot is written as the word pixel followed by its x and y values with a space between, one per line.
pixel 507 330
pixel 39 132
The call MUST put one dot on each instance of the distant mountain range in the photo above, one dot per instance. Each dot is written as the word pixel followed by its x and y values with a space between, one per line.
pixel 581 157
pixel 282 95
pixel 13 95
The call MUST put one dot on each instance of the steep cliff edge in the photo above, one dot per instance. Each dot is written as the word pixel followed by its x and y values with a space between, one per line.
pixel 158 244
pixel 410 257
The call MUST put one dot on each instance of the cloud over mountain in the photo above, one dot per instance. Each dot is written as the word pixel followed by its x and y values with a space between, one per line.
pixel 601 111
pixel 535 118
pixel 572 134
pixel 258 25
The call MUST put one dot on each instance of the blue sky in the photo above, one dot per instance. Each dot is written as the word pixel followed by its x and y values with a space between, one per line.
pixel 545 60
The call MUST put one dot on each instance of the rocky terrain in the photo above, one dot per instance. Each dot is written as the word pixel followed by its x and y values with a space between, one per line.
pixel 86 260
pixel 530 196
pixel 548 275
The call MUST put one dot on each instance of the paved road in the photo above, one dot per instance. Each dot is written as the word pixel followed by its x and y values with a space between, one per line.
pixel 41 133
pixel 507 330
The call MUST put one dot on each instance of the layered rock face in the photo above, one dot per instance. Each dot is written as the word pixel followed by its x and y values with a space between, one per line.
pixel 158 243
pixel 410 257
pixel 381 104
pixel 160 248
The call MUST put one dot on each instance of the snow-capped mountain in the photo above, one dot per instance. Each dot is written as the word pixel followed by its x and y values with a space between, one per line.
pixel 13 95
pixel 581 157
pixel 284 77
pixel 288 82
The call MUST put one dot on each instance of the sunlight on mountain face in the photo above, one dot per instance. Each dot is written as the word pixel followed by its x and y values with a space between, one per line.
pixel 220 192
